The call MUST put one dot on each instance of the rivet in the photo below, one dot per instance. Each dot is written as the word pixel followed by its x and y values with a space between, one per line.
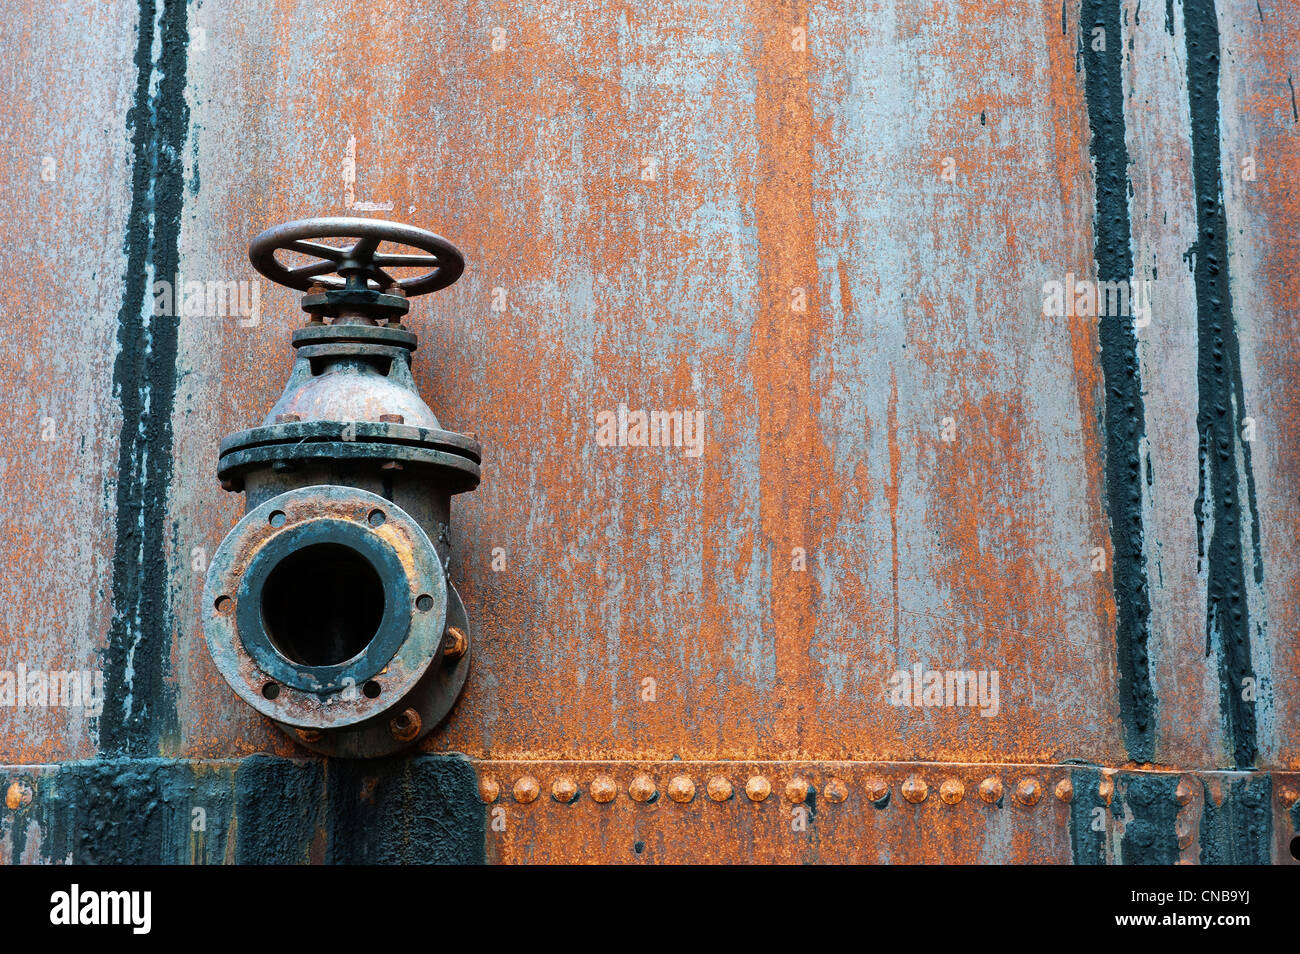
pixel 488 790
pixel 1287 796
pixel 758 788
pixel 564 789
pixel 951 791
pixel 877 789
pixel 603 789
pixel 405 726
pixel 391 465
pixel 1183 793
pixel 642 788
pixel 1065 790
pixel 1028 791
pixel 681 789
pixel 19 795
pixel 526 790
pixel 391 418
pixel 719 788
pixel 915 789
pixel 309 735
pixel 836 791
pixel 1106 788
pixel 991 789
pixel 796 791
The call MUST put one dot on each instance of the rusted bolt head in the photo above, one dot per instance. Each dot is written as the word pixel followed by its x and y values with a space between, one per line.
pixel 288 418
pixel 603 789
pixel 19 795
pixel 233 484
pixel 719 788
pixel 1065 790
pixel 391 465
pixel 564 789
pixel 951 791
pixel 405 726
pixel 877 789
pixel 681 789
pixel 397 290
pixel 488 790
pixel 391 418
pixel 915 789
pixel 309 735
pixel 526 790
pixel 316 290
pixel 991 789
pixel 1029 791
pixel 758 788
pixel 1287 796
pixel 642 788
pixel 1183 794
pixel 796 791
pixel 836 791
pixel 454 643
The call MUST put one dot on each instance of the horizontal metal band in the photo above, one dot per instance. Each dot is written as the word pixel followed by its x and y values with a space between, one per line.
pixel 446 807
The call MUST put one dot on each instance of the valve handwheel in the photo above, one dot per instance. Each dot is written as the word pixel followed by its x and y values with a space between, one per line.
pixel 361 264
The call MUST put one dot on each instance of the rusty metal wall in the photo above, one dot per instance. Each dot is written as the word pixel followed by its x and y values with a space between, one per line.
pixel 825 225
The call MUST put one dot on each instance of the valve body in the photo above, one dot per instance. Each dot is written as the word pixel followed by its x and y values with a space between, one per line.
pixel 328 606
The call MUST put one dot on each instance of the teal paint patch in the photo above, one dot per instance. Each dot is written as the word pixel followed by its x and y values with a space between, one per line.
pixel 277 810
pixel 133 811
pixel 1150 834
pixel 1240 830
pixel 261 810
pixel 1087 846
pixel 424 810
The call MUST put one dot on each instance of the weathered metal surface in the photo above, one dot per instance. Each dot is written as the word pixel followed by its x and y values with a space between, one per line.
pixel 440 808
pixel 63 218
pixel 743 212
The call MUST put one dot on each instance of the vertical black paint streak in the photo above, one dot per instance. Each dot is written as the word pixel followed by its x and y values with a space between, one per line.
pixel 138 705
pixel 1124 411
pixel 1221 395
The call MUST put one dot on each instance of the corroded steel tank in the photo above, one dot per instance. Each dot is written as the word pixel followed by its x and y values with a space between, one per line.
pixel 886 416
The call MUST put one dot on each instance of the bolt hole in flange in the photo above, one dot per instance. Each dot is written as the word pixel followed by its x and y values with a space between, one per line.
pixel 277 518
pixel 371 689
pixel 271 690
pixel 322 605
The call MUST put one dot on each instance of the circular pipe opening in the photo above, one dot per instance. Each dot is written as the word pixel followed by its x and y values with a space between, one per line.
pixel 322 605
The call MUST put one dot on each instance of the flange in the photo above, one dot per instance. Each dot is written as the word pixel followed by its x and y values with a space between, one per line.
pixel 268 663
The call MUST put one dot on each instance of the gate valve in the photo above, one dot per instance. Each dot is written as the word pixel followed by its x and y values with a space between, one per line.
pixel 328 607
